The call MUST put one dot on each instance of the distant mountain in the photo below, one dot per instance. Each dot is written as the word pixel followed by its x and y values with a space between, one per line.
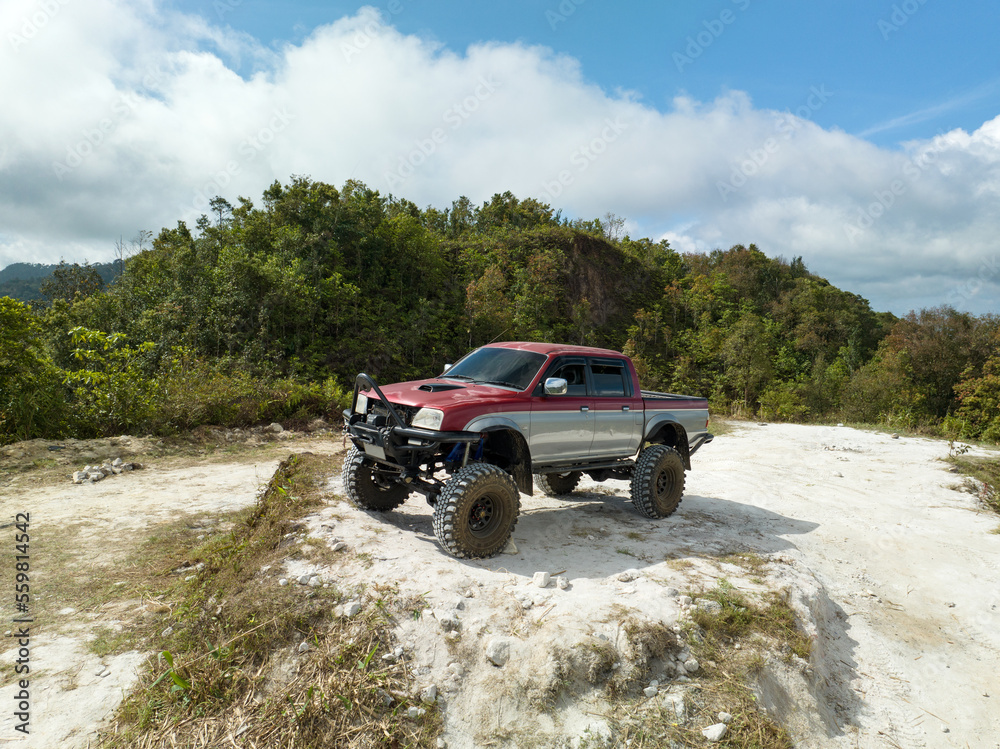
pixel 23 281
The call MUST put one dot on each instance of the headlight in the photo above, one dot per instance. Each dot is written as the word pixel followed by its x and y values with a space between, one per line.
pixel 362 405
pixel 428 418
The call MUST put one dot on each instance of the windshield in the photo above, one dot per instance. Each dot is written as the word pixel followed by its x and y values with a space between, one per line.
pixel 498 366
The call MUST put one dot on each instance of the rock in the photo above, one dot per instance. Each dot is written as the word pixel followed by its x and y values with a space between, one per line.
pixel 498 651
pixel 315 581
pixel 895 436
pixel 351 609
pixel 510 548
pixel 715 733
pixel 384 696
pixel 562 583
pixel 449 622
pixel 628 576
pixel 685 600
pixel 838 474
pixel 100 670
pixel 708 606
pixel 725 718
pixel 650 691
pixel 541 579
pixel 441 743
pixel 413 713
pixel 944 729
pixel 691 665
pixel 304 646
pixel 389 657
pixel 671 592
pixel 840 424
pixel 304 579
pixel 429 694
pixel 339 546
pixel 79 477
pixel 283 581
pixel 167 632
pixel 117 463
pixel 276 428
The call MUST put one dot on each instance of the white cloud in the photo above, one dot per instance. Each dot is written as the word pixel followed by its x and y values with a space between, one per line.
pixel 123 117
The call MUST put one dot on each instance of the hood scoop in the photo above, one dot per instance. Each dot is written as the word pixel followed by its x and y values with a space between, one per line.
pixel 440 387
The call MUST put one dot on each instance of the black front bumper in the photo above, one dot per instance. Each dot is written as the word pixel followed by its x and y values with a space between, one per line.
pixel 396 443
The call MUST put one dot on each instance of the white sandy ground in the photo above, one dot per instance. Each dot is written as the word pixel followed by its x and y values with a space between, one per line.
pixel 861 528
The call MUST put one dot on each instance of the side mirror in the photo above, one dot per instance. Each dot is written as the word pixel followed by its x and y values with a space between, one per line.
pixel 556 386
pixel 446 368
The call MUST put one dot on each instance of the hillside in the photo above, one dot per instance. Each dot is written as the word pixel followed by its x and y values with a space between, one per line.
pixel 23 281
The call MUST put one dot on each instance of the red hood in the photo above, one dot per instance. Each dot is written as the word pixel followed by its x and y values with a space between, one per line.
pixel 462 394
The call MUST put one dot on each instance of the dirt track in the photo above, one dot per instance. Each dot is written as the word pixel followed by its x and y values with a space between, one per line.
pixel 894 573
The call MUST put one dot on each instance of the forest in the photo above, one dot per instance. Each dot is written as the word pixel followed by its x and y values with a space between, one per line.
pixel 267 312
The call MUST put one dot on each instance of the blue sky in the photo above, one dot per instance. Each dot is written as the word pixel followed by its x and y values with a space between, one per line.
pixel 864 137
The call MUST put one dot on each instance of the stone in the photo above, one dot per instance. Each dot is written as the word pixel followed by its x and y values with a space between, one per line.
pixel 691 665
pixel 100 670
pixel 562 583
pixel 676 703
pixel 628 576
pixel 304 646
pixel 725 718
pixel 715 733
pixel 895 436
pixel 339 546
pixel 429 693
pixel 117 463
pixel 389 658
pixel 413 713
pixel 283 581
pixel 384 696
pixel 276 428
pixel 315 581
pixel 351 609
pixel 79 477
pixel 541 579
pixel 838 474
pixel 650 691
pixel 304 579
pixel 671 592
pixel 449 622
pixel 685 600
pixel 441 743
pixel 708 606
pixel 498 651
pixel 510 548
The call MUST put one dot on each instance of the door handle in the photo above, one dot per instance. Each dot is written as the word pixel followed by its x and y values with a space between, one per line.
pixel 584 408
pixel 625 408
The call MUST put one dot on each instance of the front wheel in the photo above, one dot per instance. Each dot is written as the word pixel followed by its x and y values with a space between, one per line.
pixel 476 512
pixel 368 487
pixel 657 481
pixel 557 484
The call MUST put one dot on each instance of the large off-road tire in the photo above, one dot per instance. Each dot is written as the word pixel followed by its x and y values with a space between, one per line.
pixel 557 484
pixel 368 487
pixel 476 512
pixel 658 481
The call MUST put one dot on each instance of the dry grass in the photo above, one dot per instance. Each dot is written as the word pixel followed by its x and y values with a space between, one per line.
pixel 985 481
pixel 232 668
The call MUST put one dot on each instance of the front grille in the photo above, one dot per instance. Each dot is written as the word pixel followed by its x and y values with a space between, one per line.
pixel 378 414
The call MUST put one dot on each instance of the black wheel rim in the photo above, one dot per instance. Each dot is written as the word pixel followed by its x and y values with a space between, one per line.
pixel 483 516
pixel 664 484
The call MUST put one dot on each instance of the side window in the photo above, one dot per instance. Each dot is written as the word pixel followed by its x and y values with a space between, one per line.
pixel 574 374
pixel 609 379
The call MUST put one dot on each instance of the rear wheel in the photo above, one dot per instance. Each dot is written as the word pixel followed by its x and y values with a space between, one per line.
pixel 557 484
pixel 476 512
pixel 369 487
pixel 658 481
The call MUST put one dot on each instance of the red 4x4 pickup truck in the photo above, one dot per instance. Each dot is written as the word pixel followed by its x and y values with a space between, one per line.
pixel 507 412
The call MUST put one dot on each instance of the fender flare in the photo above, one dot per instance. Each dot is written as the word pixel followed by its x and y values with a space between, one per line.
pixel 668 431
pixel 517 450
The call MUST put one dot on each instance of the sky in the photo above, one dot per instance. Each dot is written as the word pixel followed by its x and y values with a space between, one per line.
pixel 862 136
